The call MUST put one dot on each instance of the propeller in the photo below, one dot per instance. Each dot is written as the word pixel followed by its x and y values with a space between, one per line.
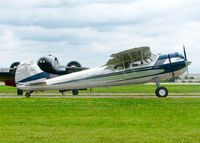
pixel 185 54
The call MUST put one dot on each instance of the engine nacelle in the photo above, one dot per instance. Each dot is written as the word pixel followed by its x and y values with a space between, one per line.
pixel 48 64
pixel 13 68
pixel 74 64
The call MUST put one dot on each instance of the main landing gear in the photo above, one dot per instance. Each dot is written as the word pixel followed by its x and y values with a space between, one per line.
pixel 19 92
pixel 75 92
pixel 161 91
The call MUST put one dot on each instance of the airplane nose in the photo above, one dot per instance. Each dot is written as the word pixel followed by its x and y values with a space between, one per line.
pixel 188 63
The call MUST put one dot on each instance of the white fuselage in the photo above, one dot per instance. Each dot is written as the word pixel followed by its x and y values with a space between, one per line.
pixel 109 76
pixel 105 76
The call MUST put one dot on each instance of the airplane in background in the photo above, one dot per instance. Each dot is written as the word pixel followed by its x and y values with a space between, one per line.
pixel 133 66
pixel 48 64
pixel 7 75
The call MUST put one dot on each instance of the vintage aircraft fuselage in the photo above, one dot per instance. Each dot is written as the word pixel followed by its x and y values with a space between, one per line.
pixel 156 67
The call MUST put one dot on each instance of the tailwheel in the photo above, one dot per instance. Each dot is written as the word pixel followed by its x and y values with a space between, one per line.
pixel 75 92
pixel 161 92
pixel 28 94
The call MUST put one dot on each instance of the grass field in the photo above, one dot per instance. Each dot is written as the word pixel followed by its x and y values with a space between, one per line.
pixel 146 88
pixel 99 120
pixel 150 88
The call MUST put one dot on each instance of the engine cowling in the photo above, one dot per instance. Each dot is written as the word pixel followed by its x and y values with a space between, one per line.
pixel 73 66
pixel 13 67
pixel 47 64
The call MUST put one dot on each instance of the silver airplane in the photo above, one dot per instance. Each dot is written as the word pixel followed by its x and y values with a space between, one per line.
pixel 133 66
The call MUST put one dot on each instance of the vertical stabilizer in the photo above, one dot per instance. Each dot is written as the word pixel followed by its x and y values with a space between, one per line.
pixel 28 72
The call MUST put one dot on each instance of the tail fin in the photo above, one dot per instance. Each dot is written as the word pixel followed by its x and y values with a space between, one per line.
pixel 29 72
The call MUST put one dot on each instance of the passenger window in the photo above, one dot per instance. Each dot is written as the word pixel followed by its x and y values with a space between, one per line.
pixel 127 64
pixel 136 63
pixel 119 67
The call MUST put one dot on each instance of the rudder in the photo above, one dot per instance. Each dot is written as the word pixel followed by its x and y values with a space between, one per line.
pixel 29 71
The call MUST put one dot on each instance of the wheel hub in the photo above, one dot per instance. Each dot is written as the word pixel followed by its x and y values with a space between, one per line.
pixel 162 92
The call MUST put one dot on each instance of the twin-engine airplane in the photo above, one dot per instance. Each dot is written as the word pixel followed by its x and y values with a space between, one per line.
pixel 134 66
pixel 48 64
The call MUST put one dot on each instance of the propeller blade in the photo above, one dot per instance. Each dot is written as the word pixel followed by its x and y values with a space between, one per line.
pixel 185 54
pixel 188 62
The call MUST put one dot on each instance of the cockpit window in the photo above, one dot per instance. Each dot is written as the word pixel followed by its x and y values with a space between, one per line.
pixel 130 64
pixel 176 55
pixel 181 56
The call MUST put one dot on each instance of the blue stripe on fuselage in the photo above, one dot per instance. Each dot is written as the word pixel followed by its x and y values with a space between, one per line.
pixel 161 57
pixel 176 66
pixel 36 77
pixel 165 67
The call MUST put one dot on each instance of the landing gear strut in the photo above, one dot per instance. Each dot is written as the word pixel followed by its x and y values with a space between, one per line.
pixel 19 92
pixel 161 91
pixel 62 92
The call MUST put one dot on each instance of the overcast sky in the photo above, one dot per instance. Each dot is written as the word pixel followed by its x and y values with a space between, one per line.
pixel 91 30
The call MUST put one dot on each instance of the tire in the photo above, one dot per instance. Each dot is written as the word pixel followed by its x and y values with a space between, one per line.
pixel 161 92
pixel 19 92
pixel 75 92
pixel 27 94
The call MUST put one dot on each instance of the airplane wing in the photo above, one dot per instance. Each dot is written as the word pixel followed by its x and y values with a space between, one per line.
pixel 130 55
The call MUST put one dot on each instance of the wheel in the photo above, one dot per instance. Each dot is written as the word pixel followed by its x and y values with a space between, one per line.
pixel 19 92
pixel 75 92
pixel 28 94
pixel 161 92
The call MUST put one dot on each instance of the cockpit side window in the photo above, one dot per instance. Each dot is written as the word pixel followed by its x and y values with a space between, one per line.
pixel 181 56
pixel 129 64
pixel 141 62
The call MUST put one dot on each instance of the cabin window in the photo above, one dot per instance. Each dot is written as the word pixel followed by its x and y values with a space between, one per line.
pixel 119 67
pixel 148 61
pixel 136 63
pixel 144 62
pixel 127 64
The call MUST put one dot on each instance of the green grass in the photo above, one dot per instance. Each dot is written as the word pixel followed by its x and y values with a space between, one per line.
pixel 144 88
pixel 148 88
pixel 7 89
pixel 99 120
